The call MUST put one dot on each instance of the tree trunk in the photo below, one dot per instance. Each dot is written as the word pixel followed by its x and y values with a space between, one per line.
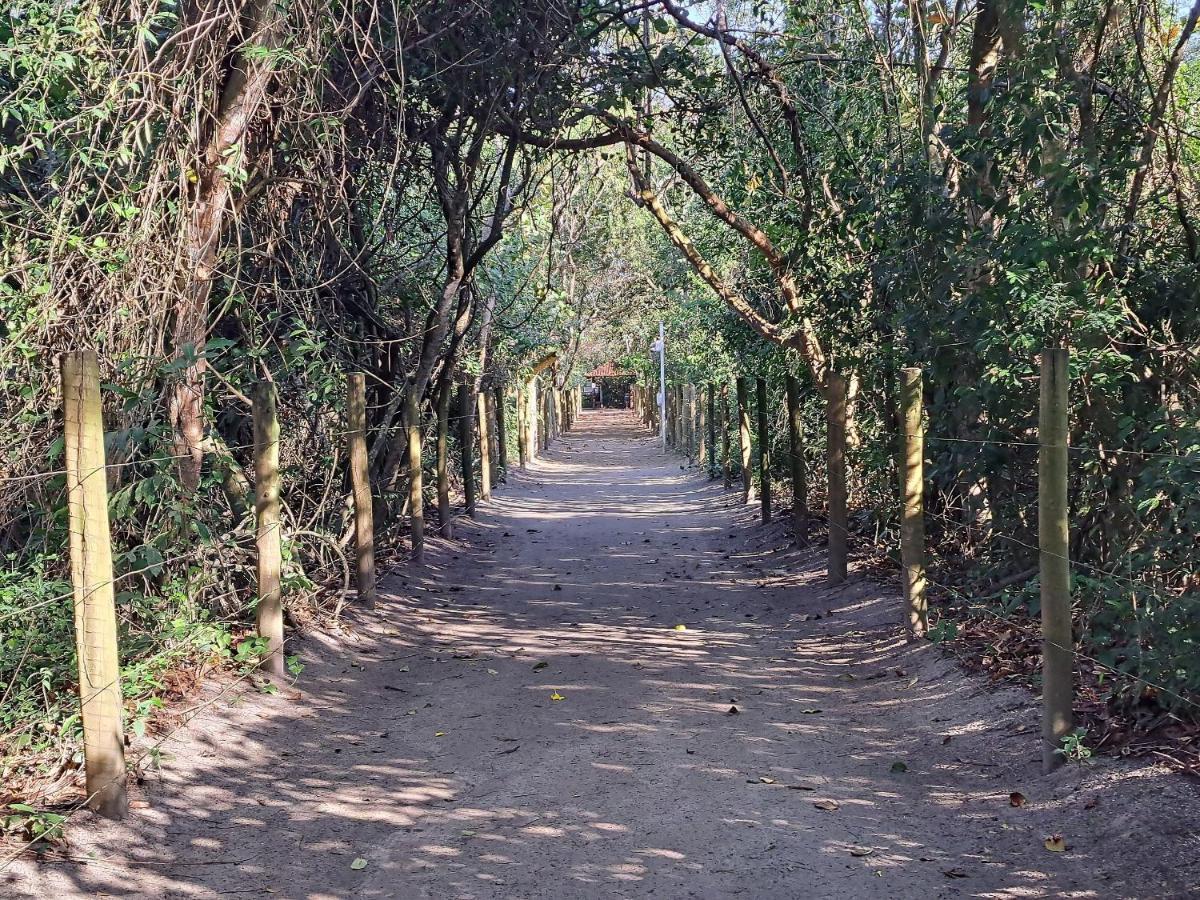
pixel 241 99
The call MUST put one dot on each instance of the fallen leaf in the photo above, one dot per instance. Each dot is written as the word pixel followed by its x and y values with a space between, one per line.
pixel 1016 798
pixel 954 873
pixel 439 734
pixel 765 780
pixel 359 863
pixel 733 711
pixel 492 672
pixel 861 851
pixel 557 696
pixel 1056 844
pixel 681 628
pixel 539 666
pixel 899 766
pixel 801 787
pixel 810 712
pixel 827 805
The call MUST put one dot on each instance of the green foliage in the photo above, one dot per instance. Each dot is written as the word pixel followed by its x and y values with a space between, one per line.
pixel 1073 748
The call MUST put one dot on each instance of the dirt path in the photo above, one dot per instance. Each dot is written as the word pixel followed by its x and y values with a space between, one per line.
pixel 430 744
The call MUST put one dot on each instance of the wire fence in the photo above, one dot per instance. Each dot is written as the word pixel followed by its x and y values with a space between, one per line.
pixel 90 589
pixel 695 439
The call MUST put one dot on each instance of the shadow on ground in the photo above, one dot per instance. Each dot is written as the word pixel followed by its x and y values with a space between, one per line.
pixel 785 742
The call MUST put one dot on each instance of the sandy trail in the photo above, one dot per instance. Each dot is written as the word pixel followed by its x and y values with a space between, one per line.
pixel 428 742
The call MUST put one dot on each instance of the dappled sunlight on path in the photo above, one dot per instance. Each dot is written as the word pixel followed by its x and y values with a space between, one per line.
pixel 619 685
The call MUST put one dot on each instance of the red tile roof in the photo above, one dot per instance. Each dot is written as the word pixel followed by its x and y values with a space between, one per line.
pixel 608 370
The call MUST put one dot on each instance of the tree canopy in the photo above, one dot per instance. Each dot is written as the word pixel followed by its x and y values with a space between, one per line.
pixel 440 193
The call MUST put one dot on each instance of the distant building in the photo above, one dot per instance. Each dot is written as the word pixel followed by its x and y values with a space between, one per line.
pixel 607 387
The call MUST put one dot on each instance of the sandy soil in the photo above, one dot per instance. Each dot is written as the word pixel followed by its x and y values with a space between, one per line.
pixel 429 743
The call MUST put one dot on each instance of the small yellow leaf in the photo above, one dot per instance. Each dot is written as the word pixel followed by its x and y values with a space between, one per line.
pixel 359 863
pixel 681 628
pixel 1056 844
pixel 439 734
pixel 557 696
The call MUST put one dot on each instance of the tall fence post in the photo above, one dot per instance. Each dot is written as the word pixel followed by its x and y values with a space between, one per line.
pixel 92 581
pixel 485 447
pixel 668 416
pixel 1058 656
pixel 684 413
pixel 712 430
pixel 835 461
pixel 796 459
pixel 360 486
pixel 466 446
pixel 269 614
pixel 764 449
pixel 726 456
pixel 501 432
pixel 743 409
pixel 532 411
pixel 445 518
pixel 689 420
pixel 522 428
pixel 416 478
pixel 672 417
pixel 912 516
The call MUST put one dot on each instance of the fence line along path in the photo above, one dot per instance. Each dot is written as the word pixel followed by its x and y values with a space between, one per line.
pixel 617 682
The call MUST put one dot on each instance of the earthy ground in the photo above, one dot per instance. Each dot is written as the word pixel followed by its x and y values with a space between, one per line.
pixel 429 743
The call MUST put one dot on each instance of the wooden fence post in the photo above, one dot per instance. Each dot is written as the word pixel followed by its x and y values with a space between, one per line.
pixel 673 427
pixel 743 409
pixel 416 478
pixel 912 515
pixel 92 581
pixel 547 424
pixel 835 460
pixel 522 409
pixel 532 412
pixel 668 403
pixel 712 431
pixel 764 449
pixel 701 429
pixel 466 446
pixel 726 456
pixel 269 614
pixel 485 448
pixel 681 421
pixel 1058 656
pixel 796 459
pixel 688 422
pixel 360 486
pixel 445 517
pixel 501 433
